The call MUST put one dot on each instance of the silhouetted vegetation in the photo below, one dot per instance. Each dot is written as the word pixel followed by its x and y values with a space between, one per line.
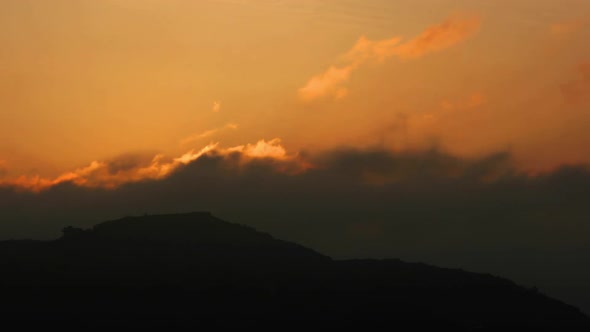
pixel 191 269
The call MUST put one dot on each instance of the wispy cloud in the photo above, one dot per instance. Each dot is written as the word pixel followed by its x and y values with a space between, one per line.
pixel 208 133
pixel 439 37
pixel 365 50
pixel 328 83
pixel 436 38
pixel 107 174
pixel 111 174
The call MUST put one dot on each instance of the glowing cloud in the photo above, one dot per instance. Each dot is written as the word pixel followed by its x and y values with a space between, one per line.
pixel 327 84
pixel 110 174
pixel 436 38
pixel 101 174
pixel 263 149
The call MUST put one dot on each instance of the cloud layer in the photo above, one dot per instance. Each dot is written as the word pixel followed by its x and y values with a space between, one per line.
pixel 132 168
pixel 435 38
pixel 479 214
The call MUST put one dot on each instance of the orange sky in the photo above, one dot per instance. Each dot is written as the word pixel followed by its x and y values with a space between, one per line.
pixel 86 81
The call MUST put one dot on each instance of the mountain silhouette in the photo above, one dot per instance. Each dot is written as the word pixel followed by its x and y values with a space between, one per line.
pixel 191 269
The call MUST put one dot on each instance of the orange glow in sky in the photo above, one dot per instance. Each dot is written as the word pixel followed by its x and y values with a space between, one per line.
pixel 84 82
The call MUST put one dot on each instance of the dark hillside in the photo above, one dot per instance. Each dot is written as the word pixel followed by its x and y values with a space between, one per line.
pixel 192 268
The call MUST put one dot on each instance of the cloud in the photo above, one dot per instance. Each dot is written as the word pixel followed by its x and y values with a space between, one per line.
pixel 439 37
pixel 449 123
pixel 128 161
pixel 216 106
pixel 109 174
pixel 365 50
pixel 436 38
pixel 480 214
pixel 207 133
pixel 327 84
pixel 577 91
pixel 262 149
pixel 130 168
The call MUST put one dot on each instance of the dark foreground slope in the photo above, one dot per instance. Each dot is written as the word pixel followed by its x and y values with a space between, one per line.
pixel 193 268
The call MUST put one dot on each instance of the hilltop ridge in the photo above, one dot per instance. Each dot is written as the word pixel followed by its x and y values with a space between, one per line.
pixel 194 267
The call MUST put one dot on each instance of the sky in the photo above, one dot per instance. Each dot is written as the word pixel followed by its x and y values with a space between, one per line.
pixel 85 81
pixel 447 132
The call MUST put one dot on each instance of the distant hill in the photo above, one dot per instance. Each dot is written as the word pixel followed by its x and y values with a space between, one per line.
pixel 190 269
